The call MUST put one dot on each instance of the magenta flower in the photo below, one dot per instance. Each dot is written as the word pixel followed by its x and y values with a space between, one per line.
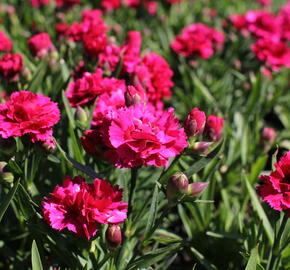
pixel 276 54
pixel 197 40
pixel 275 188
pixel 10 66
pixel 5 43
pixel 79 207
pixel 28 113
pixel 141 135
pixel 40 45
pixel 89 86
pixel 155 76
pixel 194 122
pixel 214 128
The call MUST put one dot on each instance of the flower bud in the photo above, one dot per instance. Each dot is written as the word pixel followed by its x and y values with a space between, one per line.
pixel 177 185
pixel 134 95
pixel 195 189
pixel 202 147
pixel 268 135
pixel 194 122
pixel 214 128
pixel 82 117
pixel 5 174
pixel 114 235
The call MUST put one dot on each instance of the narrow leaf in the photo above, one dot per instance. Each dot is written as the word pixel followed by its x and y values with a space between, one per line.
pixel 35 257
pixel 200 164
pixel 260 211
pixel 7 200
pixel 253 261
pixel 152 212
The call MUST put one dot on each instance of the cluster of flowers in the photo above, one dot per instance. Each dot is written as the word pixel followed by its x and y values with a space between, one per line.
pixel 198 40
pixel 272 33
pixel 11 64
pixel 108 5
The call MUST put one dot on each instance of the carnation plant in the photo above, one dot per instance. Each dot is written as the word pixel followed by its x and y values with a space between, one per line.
pixel 144 135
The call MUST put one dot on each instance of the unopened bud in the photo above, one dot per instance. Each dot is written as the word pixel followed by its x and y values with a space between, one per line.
pixel 82 117
pixel 114 235
pixel 195 189
pixel 268 135
pixel 177 185
pixel 194 122
pixel 134 95
pixel 202 147
pixel 214 128
pixel 5 174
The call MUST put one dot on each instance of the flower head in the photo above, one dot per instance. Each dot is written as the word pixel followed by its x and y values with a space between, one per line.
pixel 141 135
pixel 5 43
pixel 275 188
pixel 80 207
pixel 155 76
pixel 197 39
pixel 276 54
pixel 40 44
pixel 28 113
pixel 194 122
pixel 11 65
pixel 214 127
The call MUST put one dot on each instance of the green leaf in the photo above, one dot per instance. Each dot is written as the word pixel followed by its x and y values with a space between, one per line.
pixel 260 211
pixel 15 167
pixel 153 257
pixel 200 164
pixel 7 200
pixel 153 212
pixel 38 76
pixel 253 261
pixel 208 265
pixel 35 257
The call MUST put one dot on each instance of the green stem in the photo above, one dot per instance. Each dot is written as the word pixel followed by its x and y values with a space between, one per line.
pixel 274 256
pixel 134 173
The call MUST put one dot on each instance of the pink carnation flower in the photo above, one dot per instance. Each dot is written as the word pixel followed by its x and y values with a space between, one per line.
pixel 275 188
pixel 5 43
pixel 214 127
pixel 111 4
pixel 284 21
pixel 38 3
pixel 67 3
pixel 40 44
pixel 151 6
pixel 132 48
pixel 106 103
pixel 194 122
pixel 110 57
pixel 197 39
pixel 155 76
pixel 10 66
pixel 88 87
pixel 79 207
pixel 28 113
pixel 264 3
pixel 259 23
pixel 141 135
pixel 94 42
pixel 276 54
